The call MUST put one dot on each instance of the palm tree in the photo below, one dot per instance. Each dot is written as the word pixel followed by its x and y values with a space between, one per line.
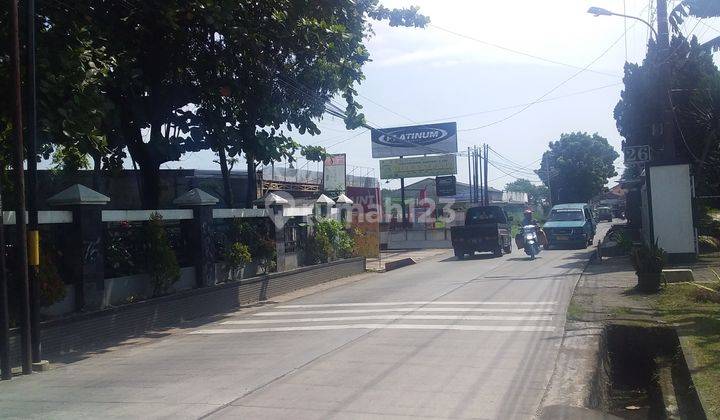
pixel 701 9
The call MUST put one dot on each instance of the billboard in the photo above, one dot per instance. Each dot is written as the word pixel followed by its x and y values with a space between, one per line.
pixel 334 168
pixel 414 140
pixel 445 186
pixel 418 166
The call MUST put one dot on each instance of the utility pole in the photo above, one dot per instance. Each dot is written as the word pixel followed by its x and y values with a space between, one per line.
pixel 20 217
pixel 477 171
pixel 486 192
pixel 668 117
pixel 33 235
pixel 5 372
pixel 470 181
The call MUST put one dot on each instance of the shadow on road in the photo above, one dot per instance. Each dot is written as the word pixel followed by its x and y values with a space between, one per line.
pixel 473 257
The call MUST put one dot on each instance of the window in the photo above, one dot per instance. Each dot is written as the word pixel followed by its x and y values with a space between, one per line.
pixel 566 216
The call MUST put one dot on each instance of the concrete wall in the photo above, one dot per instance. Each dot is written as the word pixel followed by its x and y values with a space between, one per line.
pixel 138 286
pixel 419 239
pixel 73 336
pixel 63 307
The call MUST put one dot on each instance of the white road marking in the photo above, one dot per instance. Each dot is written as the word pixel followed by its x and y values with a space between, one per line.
pixel 330 305
pixel 363 311
pixel 393 317
pixel 494 328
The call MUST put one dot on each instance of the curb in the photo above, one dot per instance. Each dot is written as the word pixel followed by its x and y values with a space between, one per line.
pixel 394 265
pixel 692 366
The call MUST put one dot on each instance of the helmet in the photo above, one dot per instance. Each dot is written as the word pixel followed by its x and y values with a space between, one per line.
pixel 528 211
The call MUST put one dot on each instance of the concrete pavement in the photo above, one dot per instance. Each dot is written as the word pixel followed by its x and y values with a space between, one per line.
pixel 476 338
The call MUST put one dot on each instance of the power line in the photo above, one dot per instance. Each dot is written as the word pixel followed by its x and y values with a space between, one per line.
pixel 558 86
pixel 507 159
pixel 505 108
pixel 387 109
pixel 347 139
pixel 547 60
pixel 677 124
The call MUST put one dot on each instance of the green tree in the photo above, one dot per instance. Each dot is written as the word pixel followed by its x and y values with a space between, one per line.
pixel 701 9
pixel 695 94
pixel 295 59
pixel 71 67
pixel 579 165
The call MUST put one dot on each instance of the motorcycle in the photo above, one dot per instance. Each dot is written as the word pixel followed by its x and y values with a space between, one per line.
pixel 531 244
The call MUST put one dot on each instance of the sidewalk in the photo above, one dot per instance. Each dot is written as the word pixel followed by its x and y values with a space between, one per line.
pixel 394 256
pixel 603 296
pixel 606 295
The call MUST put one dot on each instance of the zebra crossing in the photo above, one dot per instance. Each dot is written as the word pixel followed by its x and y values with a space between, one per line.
pixel 479 316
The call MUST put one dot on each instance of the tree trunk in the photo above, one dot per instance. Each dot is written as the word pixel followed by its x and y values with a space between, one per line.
pixel 252 182
pixel 150 175
pixel 97 170
pixel 226 177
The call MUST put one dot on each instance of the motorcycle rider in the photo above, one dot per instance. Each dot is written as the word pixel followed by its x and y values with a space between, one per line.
pixel 528 218
pixel 529 221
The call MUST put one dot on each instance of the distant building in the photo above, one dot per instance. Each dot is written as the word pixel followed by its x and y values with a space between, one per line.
pixel 463 193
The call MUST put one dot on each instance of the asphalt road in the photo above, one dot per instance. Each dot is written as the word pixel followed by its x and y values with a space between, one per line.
pixel 476 338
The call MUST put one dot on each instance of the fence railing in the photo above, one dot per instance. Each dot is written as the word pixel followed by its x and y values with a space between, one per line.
pixel 101 256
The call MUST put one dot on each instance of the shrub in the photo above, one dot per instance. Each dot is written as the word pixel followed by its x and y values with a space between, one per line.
pixel 329 241
pixel 52 288
pixel 623 240
pixel 238 256
pixel 161 262
pixel 259 240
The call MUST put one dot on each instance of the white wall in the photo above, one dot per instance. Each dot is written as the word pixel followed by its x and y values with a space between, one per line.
pixel 671 192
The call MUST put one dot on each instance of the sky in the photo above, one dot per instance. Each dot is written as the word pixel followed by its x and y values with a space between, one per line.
pixel 478 63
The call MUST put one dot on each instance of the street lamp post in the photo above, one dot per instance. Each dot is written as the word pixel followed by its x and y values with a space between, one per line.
pixel 669 205
pixel 599 11
pixel 662 37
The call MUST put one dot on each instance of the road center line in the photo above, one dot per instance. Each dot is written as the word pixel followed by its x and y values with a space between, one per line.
pixel 494 328
pixel 330 305
pixel 393 317
pixel 363 311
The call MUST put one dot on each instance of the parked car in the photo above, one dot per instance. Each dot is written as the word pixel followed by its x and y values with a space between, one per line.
pixel 486 230
pixel 571 224
pixel 605 213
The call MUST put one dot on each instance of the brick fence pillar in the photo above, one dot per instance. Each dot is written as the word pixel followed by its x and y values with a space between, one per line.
pixel 200 233
pixel 87 246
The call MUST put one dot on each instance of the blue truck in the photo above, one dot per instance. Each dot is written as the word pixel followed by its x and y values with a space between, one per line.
pixel 570 224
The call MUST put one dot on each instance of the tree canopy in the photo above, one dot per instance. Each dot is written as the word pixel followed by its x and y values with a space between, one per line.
pixel 700 9
pixel 579 166
pixel 166 78
pixel 695 94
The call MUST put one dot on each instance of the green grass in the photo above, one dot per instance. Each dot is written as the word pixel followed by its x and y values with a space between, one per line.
pixel 698 320
pixel 620 311
pixel 575 311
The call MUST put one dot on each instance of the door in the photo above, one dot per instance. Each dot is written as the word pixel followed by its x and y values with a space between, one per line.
pixel 589 222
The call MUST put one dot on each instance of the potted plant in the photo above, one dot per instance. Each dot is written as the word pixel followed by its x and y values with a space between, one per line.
pixel 649 261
